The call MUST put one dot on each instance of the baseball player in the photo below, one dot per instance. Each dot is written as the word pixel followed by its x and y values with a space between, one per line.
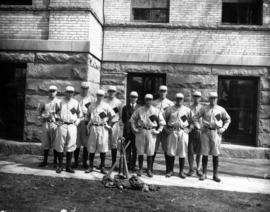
pixel 85 101
pixel 194 144
pixel 69 115
pixel 46 112
pixel 127 111
pixel 146 122
pixel 99 115
pixel 215 121
pixel 115 104
pixel 179 120
pixel 162 103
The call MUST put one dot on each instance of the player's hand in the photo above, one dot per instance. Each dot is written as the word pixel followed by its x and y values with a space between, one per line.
pixel 187 130
pixel 155 132
pixel 221 130
pixel 136 130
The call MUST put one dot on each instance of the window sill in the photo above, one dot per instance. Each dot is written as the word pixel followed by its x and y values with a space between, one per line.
pixel 142 24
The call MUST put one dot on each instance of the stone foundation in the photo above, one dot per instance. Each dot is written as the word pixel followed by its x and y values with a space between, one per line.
pixel 45 69
pixel 187 78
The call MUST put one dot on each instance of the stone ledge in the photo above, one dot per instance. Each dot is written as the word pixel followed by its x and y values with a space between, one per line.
pixel 233 151
pixel 186 59
pixel 45 45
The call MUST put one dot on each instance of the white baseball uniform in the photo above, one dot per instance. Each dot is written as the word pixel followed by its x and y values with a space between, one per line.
pixel 178 121
pixel 146 119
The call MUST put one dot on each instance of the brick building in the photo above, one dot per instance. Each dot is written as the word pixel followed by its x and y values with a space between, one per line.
pixel 205 45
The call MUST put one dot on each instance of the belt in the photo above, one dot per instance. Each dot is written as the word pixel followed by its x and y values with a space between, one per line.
pixel 97 125
pixel 212 128
pixel 68 123
pixel 147 128
pixel 176 128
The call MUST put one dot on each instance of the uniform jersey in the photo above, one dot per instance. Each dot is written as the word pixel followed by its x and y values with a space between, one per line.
pixel 147 117
pixel 178 116
pixel 195 109
pixel 213 117
pixel 69 111
pixel 162 104
pixel 100 113
pixel 48 108
pixel 116 105
pixel 85 102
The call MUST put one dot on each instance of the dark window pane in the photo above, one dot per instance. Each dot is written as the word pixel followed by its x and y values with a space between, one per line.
pixel 242 12
pixel 145 83
pixel 16 2
pixel 239 97
pixel 141 14
pixel 159 15
pixel 12 92
pixel 151 10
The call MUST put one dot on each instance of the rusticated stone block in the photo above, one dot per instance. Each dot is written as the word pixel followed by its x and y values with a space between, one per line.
pixel 93 75
pixel 153 68
pixel 19 57
pixel 264 139
pixel 32 133
pixel 265 98
pixel 265 83
pixel 264 126
pixel 113 78
pixel 42 85
pixel 31 117
pixel 264 112
pixel 192 81
pixel 239 71
pixel 33 101
pixel 61 58
pixel 57 71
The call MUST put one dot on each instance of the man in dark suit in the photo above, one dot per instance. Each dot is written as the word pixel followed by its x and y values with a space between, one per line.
pixel 127 111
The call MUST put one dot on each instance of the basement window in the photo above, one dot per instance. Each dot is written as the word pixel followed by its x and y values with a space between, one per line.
pixel 15 2
pixel 156 11
pixel 245 12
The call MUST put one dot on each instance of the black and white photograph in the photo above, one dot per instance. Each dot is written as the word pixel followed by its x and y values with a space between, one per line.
pixel 134 105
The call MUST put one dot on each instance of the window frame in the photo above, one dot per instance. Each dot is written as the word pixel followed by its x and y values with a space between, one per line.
pixel 151 9
pixel 259 19
pixel 255 80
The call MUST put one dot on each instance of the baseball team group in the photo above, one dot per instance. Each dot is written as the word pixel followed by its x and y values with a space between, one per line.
pixel 95 125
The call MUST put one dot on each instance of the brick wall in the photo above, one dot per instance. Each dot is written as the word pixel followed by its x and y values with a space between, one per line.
pixel 69 25
pixel 195 12
pixel 23 24
pixel 187 41
pixel 117 11
pixel 95 36
pixel 185 12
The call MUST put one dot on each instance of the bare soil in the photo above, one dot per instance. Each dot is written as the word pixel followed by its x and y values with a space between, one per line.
pixel 36 193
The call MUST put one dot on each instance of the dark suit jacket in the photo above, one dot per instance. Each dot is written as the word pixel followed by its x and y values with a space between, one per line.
pixel 126 114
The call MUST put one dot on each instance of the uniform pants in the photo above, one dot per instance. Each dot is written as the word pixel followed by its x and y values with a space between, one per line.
pixel 210 142
pixel 82 138
pixel 177 143
pixel 145 142
pixel 98 141
pixel 161 139
pixel 114 135
pixel 194 142
pixel 48 135
pixel 66 136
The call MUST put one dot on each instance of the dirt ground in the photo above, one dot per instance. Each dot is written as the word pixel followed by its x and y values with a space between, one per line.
pixel 35 193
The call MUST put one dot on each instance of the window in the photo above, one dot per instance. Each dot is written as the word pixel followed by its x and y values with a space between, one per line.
pixel 238 95
pixel 151 10
pixel 242 12
pixel 12 92
pixel 16 2
pixel 145 83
